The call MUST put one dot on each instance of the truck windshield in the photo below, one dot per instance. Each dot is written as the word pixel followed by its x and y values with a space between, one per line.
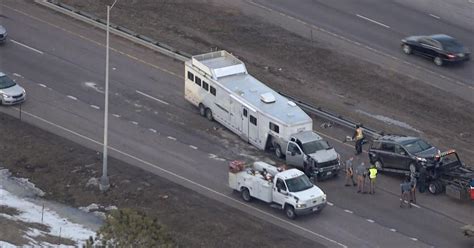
pixel 314 146
pixel 417 146
pixel 298 184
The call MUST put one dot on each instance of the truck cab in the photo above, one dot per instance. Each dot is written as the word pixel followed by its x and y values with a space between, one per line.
pixel 310 153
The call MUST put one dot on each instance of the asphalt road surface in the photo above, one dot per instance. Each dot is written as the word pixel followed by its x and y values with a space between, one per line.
pixel 61 64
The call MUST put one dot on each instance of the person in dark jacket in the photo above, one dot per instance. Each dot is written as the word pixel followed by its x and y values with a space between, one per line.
pixel 358 137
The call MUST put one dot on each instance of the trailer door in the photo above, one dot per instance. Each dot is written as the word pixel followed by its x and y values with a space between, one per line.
pixel 245 123
pixel 253 128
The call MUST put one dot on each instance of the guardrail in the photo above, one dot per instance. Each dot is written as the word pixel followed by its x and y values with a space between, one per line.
pixel 183 56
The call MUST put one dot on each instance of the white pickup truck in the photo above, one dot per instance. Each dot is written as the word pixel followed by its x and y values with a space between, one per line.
pixel 291 190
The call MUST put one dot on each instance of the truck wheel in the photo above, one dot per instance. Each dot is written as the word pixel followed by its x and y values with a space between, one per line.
pixel 246 195
pixel 209 114
pixel 435 187
pixel 278 152
pixel 202 110
pixel 290 212
pixel 378 165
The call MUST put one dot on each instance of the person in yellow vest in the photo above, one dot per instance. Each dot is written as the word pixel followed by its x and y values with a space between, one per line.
pixel 358 137
pixel 372 176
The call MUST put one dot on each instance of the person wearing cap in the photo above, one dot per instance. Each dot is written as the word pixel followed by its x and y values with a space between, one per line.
pixel 349 172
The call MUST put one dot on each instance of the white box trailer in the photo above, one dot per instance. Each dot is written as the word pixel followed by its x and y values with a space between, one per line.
pixel 290 190
pixel 220 86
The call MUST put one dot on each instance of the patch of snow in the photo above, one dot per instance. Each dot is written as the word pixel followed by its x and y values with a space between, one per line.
pixel 7 245
pixel 389 121
pixel 92 182
pixel 111 208
pixel 90 208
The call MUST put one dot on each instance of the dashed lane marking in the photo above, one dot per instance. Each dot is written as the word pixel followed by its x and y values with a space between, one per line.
pixel 43 85
pixel 152 130
pixel 72 97
pixel 348 211
pixel 116 115
pixel 235 201
pixel 17 75
pixel 371 221
pixel 393 229
pixel 330 204
pixel 414 239
pixel 373 21
pixel 151 97
pixel 193 147
pixel 435 16
pixel 28 47
pixel 95 107
pixel 135 123
pixel 171 138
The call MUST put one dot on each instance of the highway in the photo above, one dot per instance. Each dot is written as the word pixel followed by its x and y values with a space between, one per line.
pixel 61 64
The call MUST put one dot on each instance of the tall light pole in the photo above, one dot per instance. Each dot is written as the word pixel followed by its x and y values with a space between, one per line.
pixel 104 180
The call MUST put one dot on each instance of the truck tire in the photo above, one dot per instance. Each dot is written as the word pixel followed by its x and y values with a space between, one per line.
pixel 209 114
pixel 290 212
pixel 246 195
pixel 435 187
pixel 202 110
pixel 278 152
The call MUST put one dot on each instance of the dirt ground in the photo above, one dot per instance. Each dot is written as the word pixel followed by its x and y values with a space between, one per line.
pixel 307 70
pixel 62 169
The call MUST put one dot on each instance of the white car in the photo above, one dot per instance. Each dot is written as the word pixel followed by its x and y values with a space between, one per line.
pixel 10 92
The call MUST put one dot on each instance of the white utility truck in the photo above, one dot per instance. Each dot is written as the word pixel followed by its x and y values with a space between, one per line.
pixel 291 190
pixel 219 85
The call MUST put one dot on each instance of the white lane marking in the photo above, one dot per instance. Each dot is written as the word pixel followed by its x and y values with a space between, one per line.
pixel 414 239
pixel 416 206
pixel 171 138
pixel 93 86
pixel 371 221
pixel 134 123
pixel 193 147
pixel 116 115
pixel 42 85
pixel 72 97
pixel 154 98
pixel 330 204
pixel 373 21
pixel 25 46
pixel 152 130
pixel 235 201
pixel 435 16
pixel 393 229
pixel 95 106
pixel 17 75
pixel 348 211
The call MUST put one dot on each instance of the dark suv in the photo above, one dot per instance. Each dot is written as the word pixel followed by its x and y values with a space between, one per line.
pixel 401 153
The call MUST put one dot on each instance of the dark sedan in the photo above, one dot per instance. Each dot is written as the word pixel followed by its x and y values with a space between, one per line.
pixel 440 48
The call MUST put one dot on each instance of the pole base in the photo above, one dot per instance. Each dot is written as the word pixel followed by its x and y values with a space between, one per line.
pixel 104 183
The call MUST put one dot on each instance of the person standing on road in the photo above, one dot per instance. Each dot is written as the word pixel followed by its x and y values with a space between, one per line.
pixel 360 170
pixel 372 176
pixel 358 137
pixel 405 196
pixel 349 172
pixel 413 188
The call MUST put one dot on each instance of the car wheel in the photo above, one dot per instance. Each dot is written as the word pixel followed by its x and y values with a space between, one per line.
pixel 246 195
pixel 378 165
pixel 412 168
pixel 435 187
pixel 438 61
pixel 290 212
pixel 406 49
pixel 202 110
pixel 278 152
pixel 209 114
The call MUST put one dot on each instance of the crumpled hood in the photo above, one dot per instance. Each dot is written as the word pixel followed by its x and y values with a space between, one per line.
pixel 322 156
pixel 12 91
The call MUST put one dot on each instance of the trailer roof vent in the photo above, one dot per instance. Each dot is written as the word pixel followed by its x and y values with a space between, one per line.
pixel 267 97
pixel 292 104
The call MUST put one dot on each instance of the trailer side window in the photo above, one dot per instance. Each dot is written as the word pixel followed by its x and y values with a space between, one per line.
pixel 205 86
pixel 253 120
pixel 213 90
pixel 245 112
pixel 274 127
pixel 190 76
pixel 198 81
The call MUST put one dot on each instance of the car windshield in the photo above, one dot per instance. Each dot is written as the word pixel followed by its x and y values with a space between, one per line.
pixel 451 45
pixel 298 184
pixel 417 146
pixel 314 146
pixel 6 82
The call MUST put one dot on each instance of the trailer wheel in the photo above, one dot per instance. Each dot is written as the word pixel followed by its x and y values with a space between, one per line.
pixel 202 110
pixel 290 212
pixel 209 114
pixel 278 152
pixel 435 187
pixel 246 195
